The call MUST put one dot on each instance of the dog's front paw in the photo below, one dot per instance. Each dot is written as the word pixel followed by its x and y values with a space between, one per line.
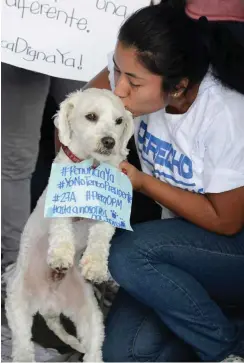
pixel 93 268
pixel 60 259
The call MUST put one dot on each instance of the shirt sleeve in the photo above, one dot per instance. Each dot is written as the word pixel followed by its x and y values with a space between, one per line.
pixel 224 154
pixel 111 70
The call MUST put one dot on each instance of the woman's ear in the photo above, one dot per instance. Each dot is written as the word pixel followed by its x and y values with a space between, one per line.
pixel 127 133
pixel 180 88
pixel 62 120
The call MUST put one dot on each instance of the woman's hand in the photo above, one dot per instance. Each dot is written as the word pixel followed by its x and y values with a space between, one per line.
pixel 135 176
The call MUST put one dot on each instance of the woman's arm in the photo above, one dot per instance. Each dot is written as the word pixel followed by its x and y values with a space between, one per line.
pixel 99 81
pixel 222 213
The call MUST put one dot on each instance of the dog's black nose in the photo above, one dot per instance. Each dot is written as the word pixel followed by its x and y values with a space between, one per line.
pixel 108 142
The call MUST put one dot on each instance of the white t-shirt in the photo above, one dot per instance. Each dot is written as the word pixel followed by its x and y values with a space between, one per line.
pixel 201 150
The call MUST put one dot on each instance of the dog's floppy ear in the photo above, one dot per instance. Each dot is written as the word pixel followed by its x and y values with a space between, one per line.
pixel 62 120
pixel 128 132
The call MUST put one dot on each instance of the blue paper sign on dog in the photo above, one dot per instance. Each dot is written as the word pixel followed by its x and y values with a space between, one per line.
pixel 79 190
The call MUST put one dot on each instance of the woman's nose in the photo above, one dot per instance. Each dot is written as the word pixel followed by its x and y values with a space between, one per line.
pixel 121 88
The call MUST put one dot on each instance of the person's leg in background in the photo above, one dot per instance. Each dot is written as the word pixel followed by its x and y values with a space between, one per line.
pixel 134 333
pixel 46 154
pixel 184 274
pixel 57 93
pixel 24 95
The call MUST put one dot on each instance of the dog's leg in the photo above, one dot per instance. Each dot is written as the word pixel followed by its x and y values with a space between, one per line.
pixel 94 262
pixel 53 322
pixel 61 249
pixel 20 321
pixel 90 327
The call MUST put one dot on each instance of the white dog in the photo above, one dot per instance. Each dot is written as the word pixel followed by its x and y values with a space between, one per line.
pixel 47 277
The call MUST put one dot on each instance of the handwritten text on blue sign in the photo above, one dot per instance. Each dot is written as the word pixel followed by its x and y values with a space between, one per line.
pixel 79 190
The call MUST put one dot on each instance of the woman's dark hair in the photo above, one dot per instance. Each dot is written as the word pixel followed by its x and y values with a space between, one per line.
pixel 168 43
pixel 172 45
pixel 226 50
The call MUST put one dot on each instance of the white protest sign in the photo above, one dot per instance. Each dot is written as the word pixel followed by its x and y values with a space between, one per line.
pixel 79 190
pixel 62 38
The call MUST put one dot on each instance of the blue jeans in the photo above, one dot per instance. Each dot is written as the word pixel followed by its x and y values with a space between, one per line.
pixel 176 282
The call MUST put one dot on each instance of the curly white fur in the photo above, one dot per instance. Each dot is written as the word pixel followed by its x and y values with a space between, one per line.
pixel 58 243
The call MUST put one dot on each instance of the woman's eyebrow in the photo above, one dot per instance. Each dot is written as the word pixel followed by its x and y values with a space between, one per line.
pixel 128 74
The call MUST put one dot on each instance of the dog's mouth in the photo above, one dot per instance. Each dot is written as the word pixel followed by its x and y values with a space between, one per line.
pixel 103 151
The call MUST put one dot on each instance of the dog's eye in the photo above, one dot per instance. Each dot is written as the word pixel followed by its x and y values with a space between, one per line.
pixel 119 121
pixel 92 116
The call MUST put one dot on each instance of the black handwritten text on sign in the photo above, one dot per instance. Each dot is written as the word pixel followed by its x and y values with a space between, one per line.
pixel 58 37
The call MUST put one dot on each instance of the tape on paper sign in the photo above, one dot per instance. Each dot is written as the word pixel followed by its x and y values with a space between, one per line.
pixel 79 190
